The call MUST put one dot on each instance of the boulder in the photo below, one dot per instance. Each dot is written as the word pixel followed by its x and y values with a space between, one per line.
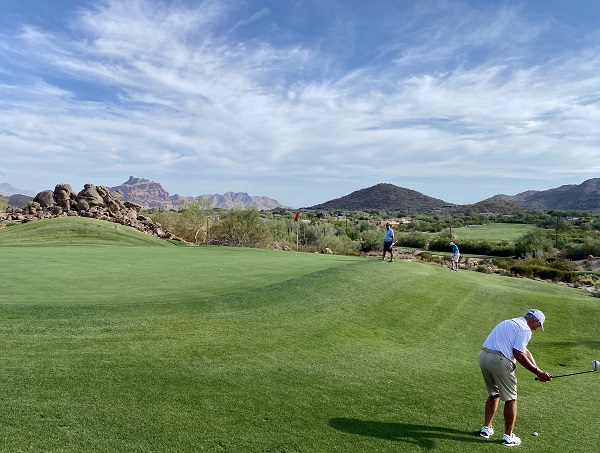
pixel 93 202
pixel 64 196
pixel 90 195
pixel 45 198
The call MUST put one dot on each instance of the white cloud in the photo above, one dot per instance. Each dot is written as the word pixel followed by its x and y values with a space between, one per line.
pixel 150 88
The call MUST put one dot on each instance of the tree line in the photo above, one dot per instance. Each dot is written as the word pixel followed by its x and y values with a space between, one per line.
pixel 356 233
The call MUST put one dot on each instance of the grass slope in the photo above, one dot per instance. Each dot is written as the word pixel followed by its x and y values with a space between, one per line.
pixel 76 231
pixel 493 232
pixel 277 352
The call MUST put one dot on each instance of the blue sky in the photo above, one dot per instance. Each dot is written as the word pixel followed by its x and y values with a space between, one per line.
pixel 302 101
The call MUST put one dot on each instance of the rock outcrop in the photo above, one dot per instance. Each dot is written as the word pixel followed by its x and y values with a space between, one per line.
pixel 241 200
pixel 96 202
pixel 148 194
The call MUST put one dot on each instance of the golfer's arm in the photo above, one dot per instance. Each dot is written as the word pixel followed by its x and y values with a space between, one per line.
pixel 530 357
pixel 527 361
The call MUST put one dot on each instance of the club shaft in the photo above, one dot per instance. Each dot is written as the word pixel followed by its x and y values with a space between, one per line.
pixel 573 374
pixel 570 374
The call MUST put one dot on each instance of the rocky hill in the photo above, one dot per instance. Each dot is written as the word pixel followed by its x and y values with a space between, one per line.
pixel 8 190
pixel 581 197
pixel 150 194
pixel 96 202
pixel 496 206
pixel 18 200
pixel 381 197
pixel 384 197
pixel 387 197
pixel 241 200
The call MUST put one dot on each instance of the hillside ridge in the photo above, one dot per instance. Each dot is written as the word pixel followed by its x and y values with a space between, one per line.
pixel 381 197
pixel 150 194
pixel 384 197
pixel 579 197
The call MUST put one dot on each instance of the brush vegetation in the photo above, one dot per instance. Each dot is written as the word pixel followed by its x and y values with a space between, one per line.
pixel 114 342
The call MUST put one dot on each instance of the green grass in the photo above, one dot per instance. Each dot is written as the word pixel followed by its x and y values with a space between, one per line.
pixel 77 231
pixel 493 232
pixel 115 348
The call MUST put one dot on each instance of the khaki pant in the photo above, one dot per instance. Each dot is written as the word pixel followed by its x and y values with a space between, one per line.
pixel 499 374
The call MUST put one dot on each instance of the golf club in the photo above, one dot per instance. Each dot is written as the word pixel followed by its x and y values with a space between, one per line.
pixel 595 366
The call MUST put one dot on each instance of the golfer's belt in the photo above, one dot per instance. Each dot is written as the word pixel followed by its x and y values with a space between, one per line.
pixel 492 351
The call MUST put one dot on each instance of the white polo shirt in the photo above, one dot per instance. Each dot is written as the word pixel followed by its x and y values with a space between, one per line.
pixel 509 334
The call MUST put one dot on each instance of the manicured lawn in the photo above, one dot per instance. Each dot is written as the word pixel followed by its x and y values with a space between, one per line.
pixel 493 232
pixel 153 348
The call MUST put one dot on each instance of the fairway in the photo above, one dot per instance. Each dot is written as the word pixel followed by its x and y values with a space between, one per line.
pixel 153 348
pixel 493 232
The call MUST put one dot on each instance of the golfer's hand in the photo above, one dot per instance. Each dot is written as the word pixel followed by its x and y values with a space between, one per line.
pixel 544 377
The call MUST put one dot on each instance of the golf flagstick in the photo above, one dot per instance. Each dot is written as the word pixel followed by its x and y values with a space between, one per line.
pixel 297 228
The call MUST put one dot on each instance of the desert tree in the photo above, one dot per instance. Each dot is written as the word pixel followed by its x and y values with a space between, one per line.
pixel 188 221
pixel 241 228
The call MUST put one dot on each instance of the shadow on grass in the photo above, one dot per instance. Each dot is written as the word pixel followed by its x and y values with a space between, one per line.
pixel 421 435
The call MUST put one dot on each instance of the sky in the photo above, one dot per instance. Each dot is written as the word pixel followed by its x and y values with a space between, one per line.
pixel 302 101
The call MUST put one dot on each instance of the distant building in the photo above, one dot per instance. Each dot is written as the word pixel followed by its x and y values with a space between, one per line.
pixel 395 222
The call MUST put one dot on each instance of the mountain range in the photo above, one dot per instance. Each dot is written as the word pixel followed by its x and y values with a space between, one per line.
pixel 7 190
pixel 150 194
pixel 581 197
pixel 388 197
pixel 381 197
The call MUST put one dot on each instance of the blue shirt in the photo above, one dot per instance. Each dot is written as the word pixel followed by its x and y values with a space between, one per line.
pixel 455 249
pixel 389 236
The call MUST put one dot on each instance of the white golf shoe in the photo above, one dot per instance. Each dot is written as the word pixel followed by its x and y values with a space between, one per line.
pixel 511 441
pixel 486 432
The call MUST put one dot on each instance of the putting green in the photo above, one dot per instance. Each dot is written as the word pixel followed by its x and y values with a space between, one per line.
pixel 153 348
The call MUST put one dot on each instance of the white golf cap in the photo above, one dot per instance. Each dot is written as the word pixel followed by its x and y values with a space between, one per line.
pixel 539 315
pixel 452 243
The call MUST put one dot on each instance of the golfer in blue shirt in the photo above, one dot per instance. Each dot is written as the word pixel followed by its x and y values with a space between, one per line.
pixel 388 242
pixel 455 256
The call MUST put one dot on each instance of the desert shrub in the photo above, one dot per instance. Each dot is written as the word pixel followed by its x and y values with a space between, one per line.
pixel 503 248
pixel 189 222
pixel 241 228
pixel 417 240
pixel 430 257
pixel 564 265
pixel 484 269
pixel 535 243
pixel 523 270
pixel 503 263
pixel 340 245
pixel 371 240
pixel 439 244
pixel 425 256
pixel 580 251
pixel 544 272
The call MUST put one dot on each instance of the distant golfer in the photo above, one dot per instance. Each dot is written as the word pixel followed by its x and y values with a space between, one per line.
pixel 388 242
pixel 504 346
pixel 455 256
